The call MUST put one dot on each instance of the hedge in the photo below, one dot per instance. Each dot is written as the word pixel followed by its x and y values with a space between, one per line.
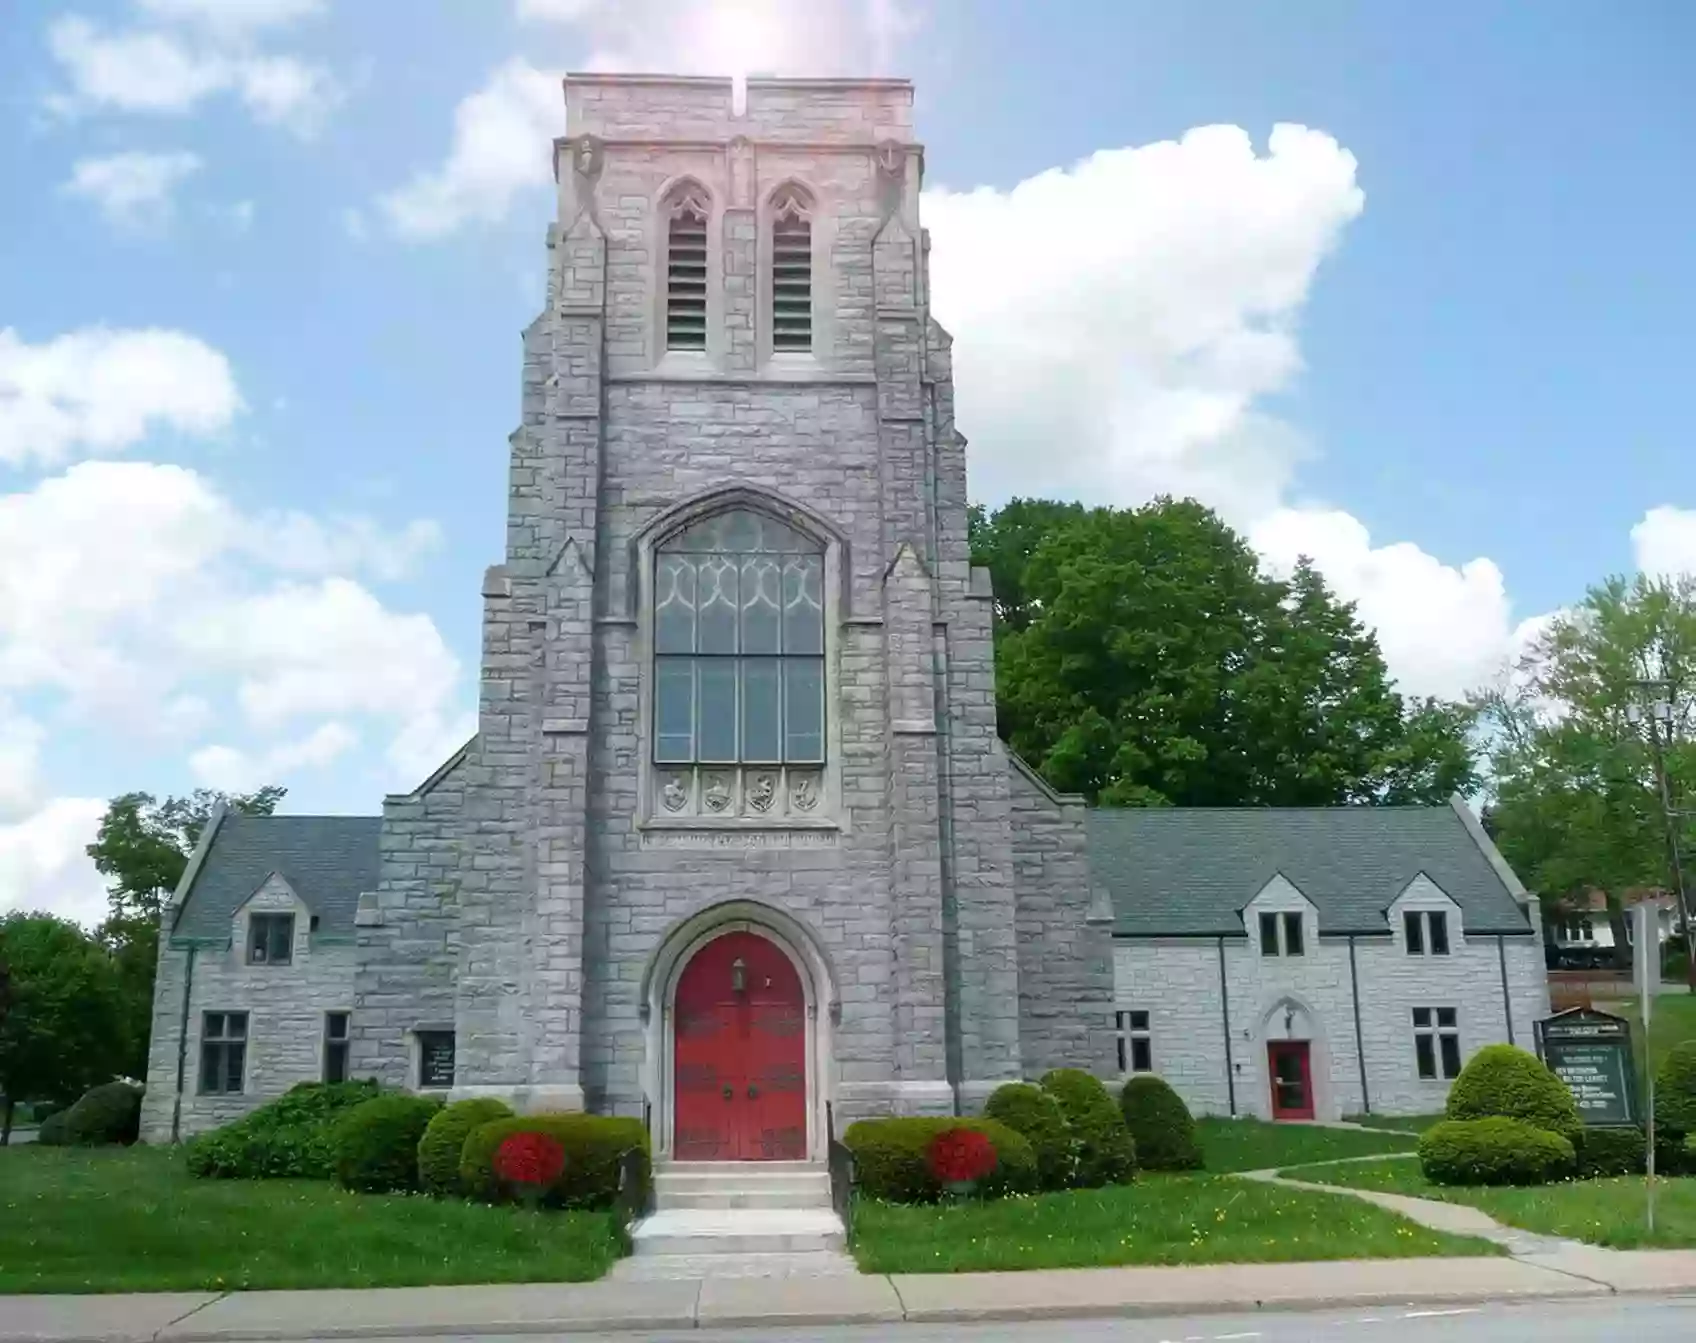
pixel 1611 1151
pixel 106 1114
pixel 444 1139
pixel 376 1142
pixel 892 1157
pixel 1036 1116
pixel 1160 1123
pixel 1494 1150
pixel 595 1146
pixel 1505 1081
pixel 1106 1153
pixel 1675 1092
pixel 288 1138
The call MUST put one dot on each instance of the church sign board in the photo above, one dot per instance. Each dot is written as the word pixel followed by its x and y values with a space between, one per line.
pixel 1591 1052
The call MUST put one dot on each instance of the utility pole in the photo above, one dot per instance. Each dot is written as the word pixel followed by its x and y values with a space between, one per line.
pixel 1660 710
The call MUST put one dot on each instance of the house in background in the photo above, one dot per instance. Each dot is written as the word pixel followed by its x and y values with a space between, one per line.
pixel 1582 936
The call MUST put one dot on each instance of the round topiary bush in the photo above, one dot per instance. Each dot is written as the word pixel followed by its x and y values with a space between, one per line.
pixel 1605 1152
pixel 1507 1082
pixel 1106 1153
pixel 376 1142
pixel 106 1114
pixel 595 1148
pixel 892 1157
pixel 1160 1123
pixel 444 1140
pixel 1675 1092
pixel 1035 1115
pixel 1495 1150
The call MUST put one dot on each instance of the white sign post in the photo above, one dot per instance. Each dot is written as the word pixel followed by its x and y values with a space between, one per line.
pixel 1646 972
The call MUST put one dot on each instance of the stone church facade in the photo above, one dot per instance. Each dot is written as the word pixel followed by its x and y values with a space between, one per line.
pixel 736 847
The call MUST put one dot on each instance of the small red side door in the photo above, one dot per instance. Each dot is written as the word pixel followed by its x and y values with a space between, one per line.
pixel 1287 1064
pixel 740 1054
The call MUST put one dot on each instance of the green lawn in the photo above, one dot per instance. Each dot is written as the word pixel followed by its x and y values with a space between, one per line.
pixel 1672 1021
pixel 1604 1212
pixel 1249 1144
pixel 115 1220
pixel 1403 1123
pixel 1174 1219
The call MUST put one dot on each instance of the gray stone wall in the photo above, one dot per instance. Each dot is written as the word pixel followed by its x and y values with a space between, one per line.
pixel 1066 977
pixel 409 935
pixel 285 1004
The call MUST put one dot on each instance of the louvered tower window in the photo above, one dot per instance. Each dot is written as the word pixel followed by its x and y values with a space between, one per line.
pixel 686 274
pixel 791 273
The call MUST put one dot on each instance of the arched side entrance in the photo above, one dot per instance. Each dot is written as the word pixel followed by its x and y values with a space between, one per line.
pixel 739 1054
pixel 674 960
pixel 1295 1063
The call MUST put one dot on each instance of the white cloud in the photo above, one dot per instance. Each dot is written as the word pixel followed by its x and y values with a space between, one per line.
pixel 502 143
pixel 232 770
pixel 1118 322
pixel 233 18
pixel 164 72
pixel 100 390
pixel 1444 629
pixel 1664 542
pixel 133 190
pixel 20 763
pixel 44 865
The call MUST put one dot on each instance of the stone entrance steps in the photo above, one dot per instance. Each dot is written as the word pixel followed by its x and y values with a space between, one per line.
pixel 739 1219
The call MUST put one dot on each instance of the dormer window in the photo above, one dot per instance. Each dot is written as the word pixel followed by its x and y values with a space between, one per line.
pixel 1290 941
pixel 791 272
pixel 1426 932
pixel 270 939
pixel 686 272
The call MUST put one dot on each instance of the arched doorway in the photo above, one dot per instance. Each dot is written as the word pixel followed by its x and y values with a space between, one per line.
pixel 740 1054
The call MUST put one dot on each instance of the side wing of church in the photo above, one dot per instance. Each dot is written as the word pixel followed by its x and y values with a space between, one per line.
pixel 736 848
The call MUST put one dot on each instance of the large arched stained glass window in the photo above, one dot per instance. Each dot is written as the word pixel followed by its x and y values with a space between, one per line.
pixel 739 644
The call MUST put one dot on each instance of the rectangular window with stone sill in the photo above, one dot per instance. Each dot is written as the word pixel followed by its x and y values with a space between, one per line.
pixel 1426 932
pixel 1136 1042
pixel 270 939
pixel 223 1053
pixel 1436 1042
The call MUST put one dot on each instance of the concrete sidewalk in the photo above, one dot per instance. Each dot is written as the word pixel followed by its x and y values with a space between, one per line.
pixel 777 1302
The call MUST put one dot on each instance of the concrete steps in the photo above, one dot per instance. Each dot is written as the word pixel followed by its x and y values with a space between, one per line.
pixel 739 1219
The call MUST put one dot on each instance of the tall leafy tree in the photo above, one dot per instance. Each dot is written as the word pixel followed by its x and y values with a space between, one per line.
pixel 1145 658
pixel 142 847
pixel 63 1030
pixel 1578 806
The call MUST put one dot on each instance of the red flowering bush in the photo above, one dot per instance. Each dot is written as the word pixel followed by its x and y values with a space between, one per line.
pixel 960 1157
pixel 529 1163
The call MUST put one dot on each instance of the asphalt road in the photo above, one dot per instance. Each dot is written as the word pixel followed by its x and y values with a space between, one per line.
pixel 1639 1320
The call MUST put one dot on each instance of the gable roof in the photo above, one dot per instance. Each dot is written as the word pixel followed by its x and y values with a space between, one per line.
pixel 1189 871
pixel 328 860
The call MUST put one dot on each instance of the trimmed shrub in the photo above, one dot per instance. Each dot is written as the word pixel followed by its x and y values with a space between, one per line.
pixel 1036 1116
pixel 1505 1081
pixel 892 1157
pixel 1611 1151
pixel 594 1145
pixel 284 1139
pixel 106 1114
pixel 444 1139
pixel 1160 1123
pixel 1494 1150
pixel 1675 1092
pixel 1106 1154
pixel 376 1142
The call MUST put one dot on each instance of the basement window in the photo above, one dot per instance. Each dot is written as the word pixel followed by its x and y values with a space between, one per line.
pixel 791 272
pixel 686 273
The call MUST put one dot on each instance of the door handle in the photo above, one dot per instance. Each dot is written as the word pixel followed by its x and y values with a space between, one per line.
pixel 730 1093
pixel 753 1093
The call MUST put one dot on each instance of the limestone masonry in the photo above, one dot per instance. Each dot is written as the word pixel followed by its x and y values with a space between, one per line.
pixel 738 680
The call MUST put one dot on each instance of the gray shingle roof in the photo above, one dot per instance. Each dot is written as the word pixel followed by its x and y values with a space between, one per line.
pixel 328 860
pixel 1189 871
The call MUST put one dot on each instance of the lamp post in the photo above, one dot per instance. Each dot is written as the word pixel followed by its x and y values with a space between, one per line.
pixel 1654 715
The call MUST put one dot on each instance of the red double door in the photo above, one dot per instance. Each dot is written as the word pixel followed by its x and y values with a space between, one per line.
pixel 740 1054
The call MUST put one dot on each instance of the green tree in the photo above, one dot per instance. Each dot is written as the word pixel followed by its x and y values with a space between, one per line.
pixel 1578 806
pixel 63 1031
pixel 1144 657
pixel 143 845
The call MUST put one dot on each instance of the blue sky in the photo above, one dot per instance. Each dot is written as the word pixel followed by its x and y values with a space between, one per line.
pixel 269 259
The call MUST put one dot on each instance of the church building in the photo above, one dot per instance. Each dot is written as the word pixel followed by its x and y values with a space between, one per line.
pixel 736 848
